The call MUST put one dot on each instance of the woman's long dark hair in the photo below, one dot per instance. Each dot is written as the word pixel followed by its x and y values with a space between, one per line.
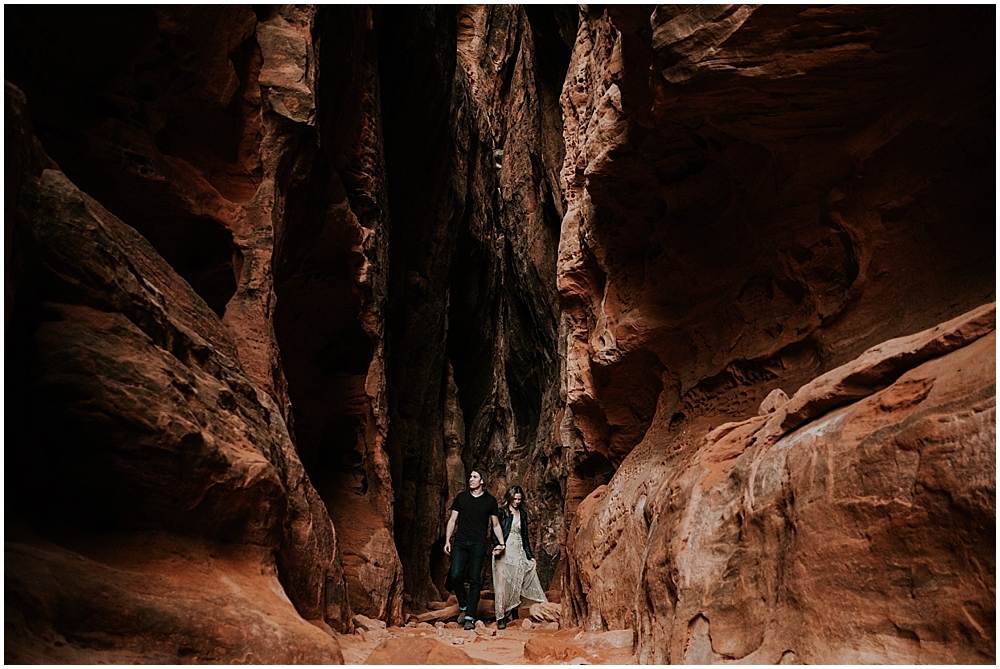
pixel 514 490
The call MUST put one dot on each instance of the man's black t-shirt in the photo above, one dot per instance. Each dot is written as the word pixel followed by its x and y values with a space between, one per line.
pixel 474 516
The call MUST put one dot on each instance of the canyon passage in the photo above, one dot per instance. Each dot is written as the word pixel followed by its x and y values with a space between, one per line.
pixel 715 285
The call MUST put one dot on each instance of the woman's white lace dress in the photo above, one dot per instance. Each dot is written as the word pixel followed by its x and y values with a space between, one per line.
pixel 514 577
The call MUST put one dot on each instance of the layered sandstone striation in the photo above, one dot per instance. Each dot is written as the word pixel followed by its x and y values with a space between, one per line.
pixel 145 454
pixel 852 524
pixel 756 195
pixel 713 284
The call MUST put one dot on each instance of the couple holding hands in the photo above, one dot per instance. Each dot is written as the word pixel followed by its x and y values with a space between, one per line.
pixel 475 518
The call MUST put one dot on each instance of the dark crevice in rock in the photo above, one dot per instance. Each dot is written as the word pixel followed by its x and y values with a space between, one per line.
pixel 328 300
pixel 114 112
pixel 590 250
pixel 466 285
pixel 416 55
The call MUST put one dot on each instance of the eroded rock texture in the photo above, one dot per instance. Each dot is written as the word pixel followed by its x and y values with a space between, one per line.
pixel 145 454
pixel 215 140
pixel 278 276
pixel 852 524
pixel 259 153
pixel 758 194
pixel 755 195
pixel 515 59
pixel 472 148
pixel 331 288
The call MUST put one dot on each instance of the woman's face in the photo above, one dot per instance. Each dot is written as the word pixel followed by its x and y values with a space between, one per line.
pixel 515 501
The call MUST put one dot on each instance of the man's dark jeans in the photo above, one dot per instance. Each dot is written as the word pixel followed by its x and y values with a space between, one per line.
pixel 467 565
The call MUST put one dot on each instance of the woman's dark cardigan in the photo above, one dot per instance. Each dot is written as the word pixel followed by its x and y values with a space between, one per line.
pixel 506 520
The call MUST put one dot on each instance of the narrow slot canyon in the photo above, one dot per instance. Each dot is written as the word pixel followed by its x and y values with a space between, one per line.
pixel 715 285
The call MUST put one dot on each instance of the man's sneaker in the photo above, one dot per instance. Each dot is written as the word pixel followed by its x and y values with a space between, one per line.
pixel 461 616
pixel 470 624
pixel 502 624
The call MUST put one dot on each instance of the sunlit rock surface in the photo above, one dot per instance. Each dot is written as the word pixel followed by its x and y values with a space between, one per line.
pixel 852 525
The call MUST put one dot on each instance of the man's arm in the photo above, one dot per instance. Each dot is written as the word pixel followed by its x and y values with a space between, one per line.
pixel 450 531
pixel 498 531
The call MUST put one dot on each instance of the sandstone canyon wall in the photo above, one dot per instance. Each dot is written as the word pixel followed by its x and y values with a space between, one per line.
pixel 756 195
pixel 708 282
pixel 310 187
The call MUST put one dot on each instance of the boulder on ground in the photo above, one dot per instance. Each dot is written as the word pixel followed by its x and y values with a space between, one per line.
pixel 419 651
pixel 366 623
pixel 548 650
pixel 545 612
pixel 612 639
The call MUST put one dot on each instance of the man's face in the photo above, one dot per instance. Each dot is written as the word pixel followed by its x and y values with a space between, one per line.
pixel 475 481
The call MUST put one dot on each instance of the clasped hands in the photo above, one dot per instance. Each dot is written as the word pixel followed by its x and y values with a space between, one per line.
pixel 496 550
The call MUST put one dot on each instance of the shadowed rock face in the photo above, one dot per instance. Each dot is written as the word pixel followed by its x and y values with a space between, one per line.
pixel 292 236
pixel 330 286
pixel 472 148
pixel 158 114
pixel 139 430
pixel 754 197
pixel 253 145
pixel 144 135
pixel 515 60
pixel 707 282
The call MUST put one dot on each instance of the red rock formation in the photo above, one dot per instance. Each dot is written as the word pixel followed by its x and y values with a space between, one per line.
pixel 183 121
pixel 419 651
pixel 137 416
pixel 503 329
pixel 734 221
pixel 152 597
pixel 549 650
pixel 855 530
pixel 331 289
pixel 323 260
pixel 228 142
pixel 472 150
pixel 755 196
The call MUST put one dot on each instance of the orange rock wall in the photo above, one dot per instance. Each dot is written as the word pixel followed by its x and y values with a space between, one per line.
pixel 145 452
pixel 324 189
pixel 755 195
pixel 713 284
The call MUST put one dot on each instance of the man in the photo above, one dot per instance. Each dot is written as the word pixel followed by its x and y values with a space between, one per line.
pixel 473 513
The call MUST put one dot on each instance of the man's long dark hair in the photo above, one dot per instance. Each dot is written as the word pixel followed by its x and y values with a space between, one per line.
pixel 514 490
pixel 482 476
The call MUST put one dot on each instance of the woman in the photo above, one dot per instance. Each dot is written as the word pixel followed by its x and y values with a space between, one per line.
pixel 514 575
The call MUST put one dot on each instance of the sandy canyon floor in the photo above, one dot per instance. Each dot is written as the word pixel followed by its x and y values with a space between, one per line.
pixel 487 645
